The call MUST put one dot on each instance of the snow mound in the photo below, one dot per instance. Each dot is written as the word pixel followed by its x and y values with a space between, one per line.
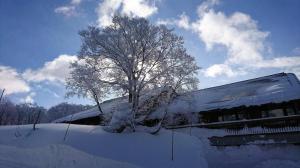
pixel 245 156
pixel 92 147
pixel 58 156
pixel 279 164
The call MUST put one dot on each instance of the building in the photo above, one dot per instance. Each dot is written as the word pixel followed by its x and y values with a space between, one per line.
pixel 269 101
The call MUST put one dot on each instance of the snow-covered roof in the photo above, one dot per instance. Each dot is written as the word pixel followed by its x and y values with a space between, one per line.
pixel 106 106
pixel 274 88
pixel 110 106
pixel 268 89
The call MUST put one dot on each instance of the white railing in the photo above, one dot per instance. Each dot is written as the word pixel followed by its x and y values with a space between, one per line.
pixel 261 130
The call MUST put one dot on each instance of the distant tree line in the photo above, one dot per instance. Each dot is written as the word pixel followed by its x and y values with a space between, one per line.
pixel 25 113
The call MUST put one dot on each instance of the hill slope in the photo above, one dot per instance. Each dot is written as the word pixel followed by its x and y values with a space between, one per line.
pixel 90 146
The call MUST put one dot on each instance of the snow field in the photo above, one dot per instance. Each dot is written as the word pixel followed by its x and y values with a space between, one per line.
pixel 92 147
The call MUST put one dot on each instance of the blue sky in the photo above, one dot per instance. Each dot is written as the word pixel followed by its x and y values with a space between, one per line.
pixel 231 40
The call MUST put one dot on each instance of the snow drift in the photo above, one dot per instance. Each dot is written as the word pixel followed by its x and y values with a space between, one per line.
pixel 90 146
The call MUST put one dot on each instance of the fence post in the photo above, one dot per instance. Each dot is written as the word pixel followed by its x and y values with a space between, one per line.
pixel 2 94
pixel 36 120
pixel 172 144
pixel 66 133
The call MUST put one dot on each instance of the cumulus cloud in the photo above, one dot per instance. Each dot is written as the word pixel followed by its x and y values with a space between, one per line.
pixel 54 71
pixel 28 98
pixel 182 22
pixel 206 6
pixel 280 62
pixel 131 8
pixel 69 9
pixel 11 81
pixel 239 33
pixel 222 69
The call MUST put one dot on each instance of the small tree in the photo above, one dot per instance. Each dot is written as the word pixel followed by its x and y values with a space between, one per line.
pixel 84 82
pixel 130 57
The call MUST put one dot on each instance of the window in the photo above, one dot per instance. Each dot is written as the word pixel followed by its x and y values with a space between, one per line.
pixel 290 111
pixel 297 108
pixel 264 114
pixel 255 114
pixel 220 118
pixel 229 117
pixel 241 116
pixel 276 113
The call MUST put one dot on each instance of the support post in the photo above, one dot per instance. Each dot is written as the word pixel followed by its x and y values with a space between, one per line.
pixel 2 94
pixel 172 144
pixel 66 133
pixel 36 120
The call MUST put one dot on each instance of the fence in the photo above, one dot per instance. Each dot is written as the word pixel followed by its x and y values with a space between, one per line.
pixel 262 130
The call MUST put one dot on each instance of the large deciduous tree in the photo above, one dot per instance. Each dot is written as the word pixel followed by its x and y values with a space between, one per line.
pixel 130 57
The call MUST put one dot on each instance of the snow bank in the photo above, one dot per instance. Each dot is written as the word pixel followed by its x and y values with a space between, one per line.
pixel 278 164
pixel 249 156
pixel 93 147
pixel 58 156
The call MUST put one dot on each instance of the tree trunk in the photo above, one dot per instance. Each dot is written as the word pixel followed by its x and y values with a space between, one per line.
pixel 36 120
pixel 97 102
pixel 130 97
pixel 99 107
pixel 2 95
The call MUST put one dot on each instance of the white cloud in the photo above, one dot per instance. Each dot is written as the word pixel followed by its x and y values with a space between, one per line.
pixel 54 71
pixel 76 2
pixel 222 69
pixel 138 8
pixel 68 10
pixel 12 81
pixel 280 62
pixel 182 22
pixel 131 8
pixel 239 33
pixel 207 6
pixel 295 70
pixel 106 11
pixel 296 50
pixel 28 98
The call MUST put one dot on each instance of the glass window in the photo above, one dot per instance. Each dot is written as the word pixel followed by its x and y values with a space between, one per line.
pixel 264 114
pixel 276 113
pixel 242 116
pixel 229 117
pixel 290 111
pixel 255 114
pixel 297 108
pixel 220 118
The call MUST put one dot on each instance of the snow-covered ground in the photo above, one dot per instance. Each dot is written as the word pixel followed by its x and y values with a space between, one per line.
pixel 249 156
pixel 91 146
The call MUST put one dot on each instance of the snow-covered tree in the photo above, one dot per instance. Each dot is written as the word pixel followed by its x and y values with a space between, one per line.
pixel 65 109
pixel 11 114
pixel 86 82
pixel 130 57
